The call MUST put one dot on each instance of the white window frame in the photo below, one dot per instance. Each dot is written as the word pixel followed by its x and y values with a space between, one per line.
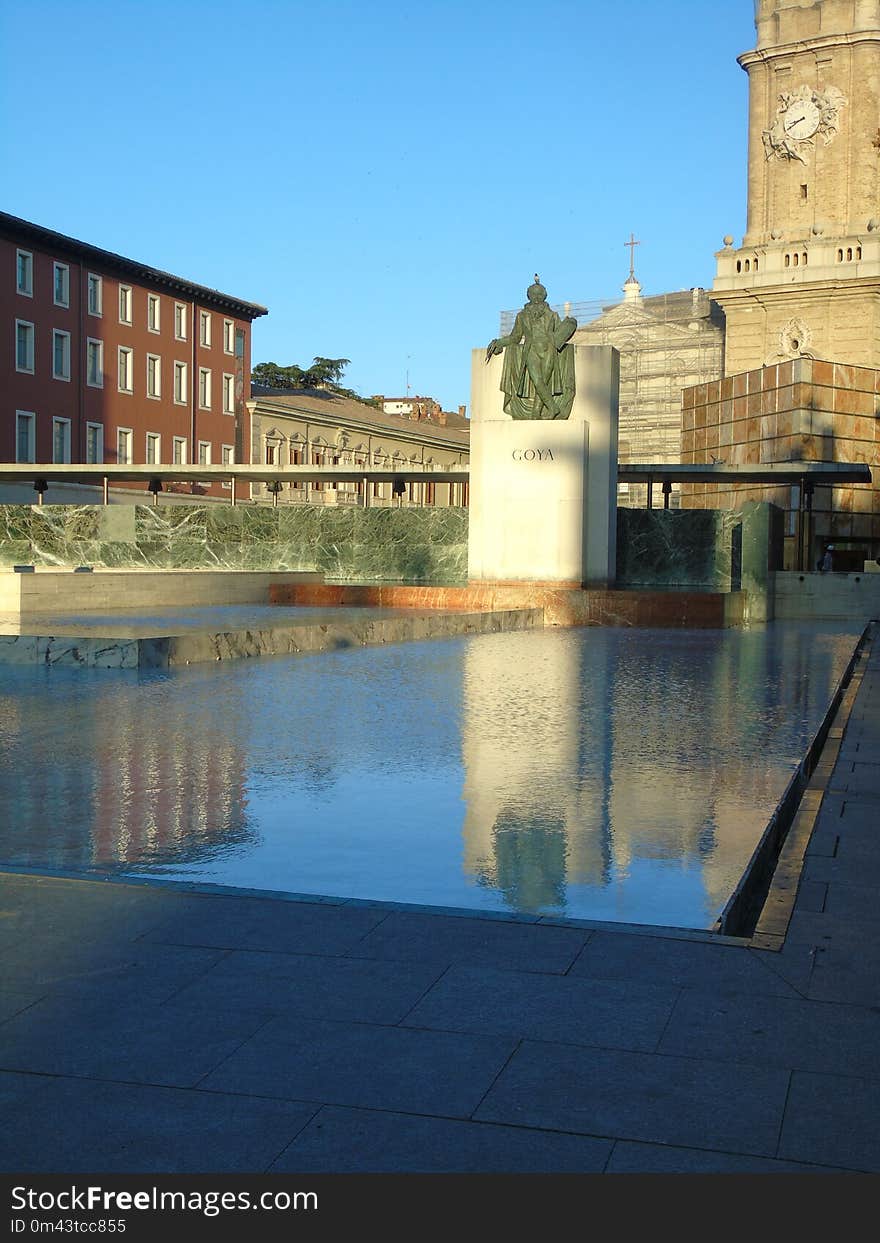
pixel 229 336
pixel 125 305
pixel 180 321
pixel 205 329
pixel 99 451
pixel 153 438
pixel 204 388
pixel 99 383
pixel 179 442
pixel 154 312
pixel 26 290
pixel 128 459
pixel 181 383
pixel 64 337
pixel 28 368
pixel 31 417
pixel 228 393
pixel 227 455
pixel 125 352
pixel 96 283
pixel 157 359
pixel 63 270
pixel 206 445
pixel 57 422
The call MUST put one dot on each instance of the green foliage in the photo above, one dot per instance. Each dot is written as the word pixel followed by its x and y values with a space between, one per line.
pixel 323 373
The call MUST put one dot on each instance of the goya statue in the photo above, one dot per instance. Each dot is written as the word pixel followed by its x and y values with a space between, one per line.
pixel 537 378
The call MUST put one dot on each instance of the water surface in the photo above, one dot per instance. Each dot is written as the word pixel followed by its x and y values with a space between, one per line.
pixel 610 774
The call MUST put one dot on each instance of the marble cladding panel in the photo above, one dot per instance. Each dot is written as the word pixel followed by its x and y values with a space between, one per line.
pixel 689 548
pixel 70 652
pixel 423 545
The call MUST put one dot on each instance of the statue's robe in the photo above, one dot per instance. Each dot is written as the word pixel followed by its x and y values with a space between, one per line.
pixel 521 401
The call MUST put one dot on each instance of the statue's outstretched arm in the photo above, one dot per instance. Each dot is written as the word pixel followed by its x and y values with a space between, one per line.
pixel 514 338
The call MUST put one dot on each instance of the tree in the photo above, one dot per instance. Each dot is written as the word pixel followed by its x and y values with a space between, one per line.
pixel 323 372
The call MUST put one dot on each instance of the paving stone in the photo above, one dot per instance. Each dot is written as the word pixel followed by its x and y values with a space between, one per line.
pixel 368 990
pixel 612 1013
pixel 644 1096
pixel 268 924
pixel 125 1128
pixel 633 1158
pixel 361 1064
pixel 687 964
pixel 832 1119
pixel 811 895
pixel 775 1031
pixel 477 942
pixel 112 971
pixel 360 1141
pixel 847 971
pixel 13 1001
pixel 853 901
pixel 169 1044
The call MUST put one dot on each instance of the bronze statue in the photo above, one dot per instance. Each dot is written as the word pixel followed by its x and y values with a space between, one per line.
pixel 538 374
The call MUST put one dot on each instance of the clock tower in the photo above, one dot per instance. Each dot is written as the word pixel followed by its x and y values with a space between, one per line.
pixel 806 279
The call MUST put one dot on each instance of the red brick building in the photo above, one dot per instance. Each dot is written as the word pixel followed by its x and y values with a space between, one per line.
pixel 108 360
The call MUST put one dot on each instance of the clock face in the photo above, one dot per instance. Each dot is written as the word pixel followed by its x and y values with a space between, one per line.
pixel 801 119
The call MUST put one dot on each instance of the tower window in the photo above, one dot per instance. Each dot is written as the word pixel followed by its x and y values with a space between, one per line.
pixel 796 258
pixel 787 260
pixel 804 193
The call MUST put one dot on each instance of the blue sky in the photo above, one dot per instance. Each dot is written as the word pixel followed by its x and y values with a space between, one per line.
pixel 384 177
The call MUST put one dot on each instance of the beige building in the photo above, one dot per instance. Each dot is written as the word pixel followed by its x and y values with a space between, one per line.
pixel 320 428
pixel 665 343
pixel 806 279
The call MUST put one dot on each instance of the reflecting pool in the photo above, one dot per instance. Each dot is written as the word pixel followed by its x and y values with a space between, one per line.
pixel 609 774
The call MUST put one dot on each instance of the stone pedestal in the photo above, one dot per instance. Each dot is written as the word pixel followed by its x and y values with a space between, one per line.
pixel 543 494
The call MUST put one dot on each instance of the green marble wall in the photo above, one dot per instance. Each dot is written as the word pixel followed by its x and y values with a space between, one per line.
pixel 413 545
pixel 711 550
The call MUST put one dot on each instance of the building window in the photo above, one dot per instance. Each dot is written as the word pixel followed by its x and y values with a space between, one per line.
pixel 24 273
pixel 125 304
pixel 96 294
pixel 180 385
pixel 228 336
pixel 154 448
pixel 60 355
pixel 61 284
pixel 205 329
pixel 25 450
pixel 204 388
pixel 94 363
pixel 153 312
pixel 94 443
pixel 24 346
pixel 227 455
pixel 228 394
pixel 126 369
pixel 180 321
pixel 271 452
pixel 124 442
pixel 178 451
pixel 61 440
pixel 154 375
pixel 204 453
